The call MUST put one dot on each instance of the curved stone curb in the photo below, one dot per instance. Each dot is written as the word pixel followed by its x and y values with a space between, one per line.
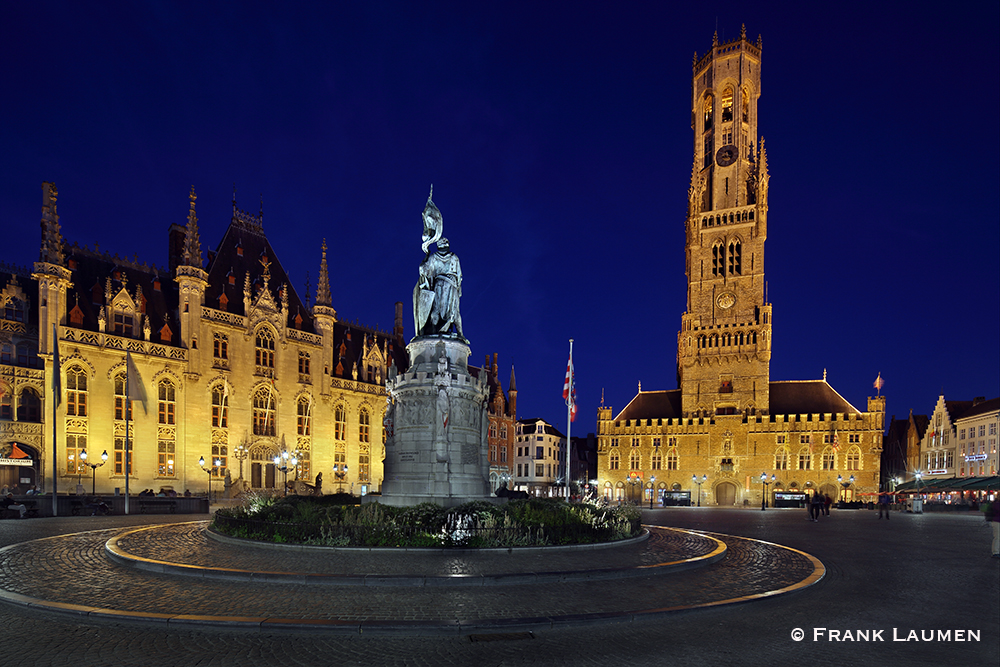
pixel 122 557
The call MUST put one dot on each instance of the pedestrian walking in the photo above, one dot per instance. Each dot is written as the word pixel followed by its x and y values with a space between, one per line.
pixel 883 505
pixel 992 512
pixel 827 501
pixel 816 506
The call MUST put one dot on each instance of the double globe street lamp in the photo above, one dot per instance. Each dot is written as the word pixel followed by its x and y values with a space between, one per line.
pixel 699 482
pixel 843 494
pixel 201 462
pixel 765 481
pixel 94 467
pixel 282 462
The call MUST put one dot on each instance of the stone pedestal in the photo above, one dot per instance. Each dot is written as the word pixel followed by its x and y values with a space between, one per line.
pixel 436 427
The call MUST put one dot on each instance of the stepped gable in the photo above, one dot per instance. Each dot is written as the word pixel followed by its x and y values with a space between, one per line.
pixel 242 250
pixel 801 397
pixel 16 280
pixel 91 271
pixel 653 405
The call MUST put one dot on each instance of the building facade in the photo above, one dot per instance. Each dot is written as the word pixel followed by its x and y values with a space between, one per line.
pixel 961 440
pixel 235 367
pixel 728 422
pixel 540 458
pixel 502 411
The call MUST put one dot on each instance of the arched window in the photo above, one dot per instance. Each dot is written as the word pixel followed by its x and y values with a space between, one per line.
pixel 719 259
pixel 364 422
pixel 854 458
pixel 304 415
pixel 633 460
pixel 805 459
pixel 493 429
pixel 29 406
pixel 613 460
pixel 656 461
pixel 735 258
pixel 76 392
pixel 220 453
pixel 263 412
pixel 264 348
pixel 781 457
pixel 363 464
pixel 727 105
pixel 829 459
pixel 340 423
pixel 75 444
pixel 503 431
pixel 123 407
pixel 220 406
pixel 167 402
pixel 707 113
pixel 673 461
pixel 14 310
pixel 745 105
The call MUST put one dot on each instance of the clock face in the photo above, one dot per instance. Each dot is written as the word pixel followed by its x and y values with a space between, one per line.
pixel 726 156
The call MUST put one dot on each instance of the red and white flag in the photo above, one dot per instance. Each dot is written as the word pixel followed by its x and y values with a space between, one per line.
pixel 568 382
pixel 879 382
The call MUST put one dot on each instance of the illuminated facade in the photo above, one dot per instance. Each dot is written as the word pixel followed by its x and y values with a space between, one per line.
pixel 502 411
pixel 728 422
pixel 539 459
pixel 236 368
pixel 961 439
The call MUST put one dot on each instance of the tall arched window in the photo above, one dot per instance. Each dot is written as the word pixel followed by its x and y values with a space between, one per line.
pixel 76 392
pixel 707 115
pixel 493 429
pixel 735 258
pixel 304 417
pixel 673 462
pixel 167 402
pixel 613 460
pixel 781 457
pixel 263 412
pixel 364 423
pixel 29 406
pixel 123 407
pixel 854 458
pixel 656 461
pixel 727 105
pixel 805 459
pixel 719 259
pixel 264 351
pixel 829 459
pixel 745 105
pixel 220 406
pixel 340 423
pixel 633 460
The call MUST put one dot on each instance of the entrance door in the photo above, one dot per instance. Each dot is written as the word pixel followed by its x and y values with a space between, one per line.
pixel 725 494
pixel 255 475
pixel 269 476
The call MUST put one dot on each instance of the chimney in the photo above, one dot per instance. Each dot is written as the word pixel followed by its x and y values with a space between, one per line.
pixel 493 368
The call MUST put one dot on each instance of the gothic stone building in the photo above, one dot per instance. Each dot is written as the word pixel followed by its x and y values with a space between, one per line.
pixel 728 422
pixel 235 367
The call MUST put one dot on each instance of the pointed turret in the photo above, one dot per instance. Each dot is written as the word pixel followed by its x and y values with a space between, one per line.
pixel 52 241
pixel 192 241
pixel 323 297
pixel 50 271
pixel 512 394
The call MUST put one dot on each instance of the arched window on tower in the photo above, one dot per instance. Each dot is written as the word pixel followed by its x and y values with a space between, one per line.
pixel 745 105
pixel 727 105
pixel 735 259
pixel 707 109
pixel 719 259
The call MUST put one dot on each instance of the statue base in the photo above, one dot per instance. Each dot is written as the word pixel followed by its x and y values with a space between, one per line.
pixel 436 447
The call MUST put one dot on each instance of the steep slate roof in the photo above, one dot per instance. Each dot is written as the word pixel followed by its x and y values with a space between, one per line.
pixel 799 397
pixel 956 409
pixel 653 405
pixel 529 426
pixel 982 408
pixel 91 270
pixel 921 422
pixel 246 233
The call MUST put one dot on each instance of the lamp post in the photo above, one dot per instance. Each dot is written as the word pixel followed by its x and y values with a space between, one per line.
pixel 699 482
pixel 281 463
pixel 93 468
pixel 843 494
pixel 632 481
pixel 201 462
pixel 765 481
pixel 241 452
pixel 652 490
pixel 340 472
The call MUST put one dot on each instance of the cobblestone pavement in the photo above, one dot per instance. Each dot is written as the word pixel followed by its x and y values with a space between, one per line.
pixel 914 573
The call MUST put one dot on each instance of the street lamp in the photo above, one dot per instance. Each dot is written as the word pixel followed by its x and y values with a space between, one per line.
pixel 765 481
pixel 281 463
pixel 652 490
pixel 843 494
pixel 699 482
pixel 340 472
pixel 632 481
pixel 94 467
pixel 241 452
pixel 201 462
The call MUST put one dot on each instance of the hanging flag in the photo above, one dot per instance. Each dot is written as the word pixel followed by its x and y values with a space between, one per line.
pixel 568 382
pixel 56 373
pixel 136 391
pixel 836 439
pixel 17 453
pixel 879 382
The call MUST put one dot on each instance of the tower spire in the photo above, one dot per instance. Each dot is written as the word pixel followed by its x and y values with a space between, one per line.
pixel 52 240
pixel 192 240
pixel 323 297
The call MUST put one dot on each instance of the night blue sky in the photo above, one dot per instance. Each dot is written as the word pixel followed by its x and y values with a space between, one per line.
pixel 559 144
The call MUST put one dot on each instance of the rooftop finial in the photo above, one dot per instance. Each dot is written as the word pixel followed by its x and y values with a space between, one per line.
pixel 323 297
pixel 743 32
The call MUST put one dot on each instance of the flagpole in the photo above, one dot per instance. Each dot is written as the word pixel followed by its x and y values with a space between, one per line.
pixel 569 419
pixel 56 398
pixel 128 415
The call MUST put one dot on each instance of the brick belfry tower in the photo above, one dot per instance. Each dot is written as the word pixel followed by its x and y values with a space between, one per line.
pixel 724 345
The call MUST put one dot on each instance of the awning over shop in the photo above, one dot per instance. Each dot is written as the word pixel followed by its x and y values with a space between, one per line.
pixel 949 485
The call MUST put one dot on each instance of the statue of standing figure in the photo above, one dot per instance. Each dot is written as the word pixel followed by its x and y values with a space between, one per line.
pixel 439 288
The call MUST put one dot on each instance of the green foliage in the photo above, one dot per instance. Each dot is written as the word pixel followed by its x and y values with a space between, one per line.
pixel 329 521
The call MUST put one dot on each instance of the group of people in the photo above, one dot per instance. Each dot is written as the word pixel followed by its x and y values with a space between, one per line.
pixel 819 505
pixel 16 490
pixel 164 493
